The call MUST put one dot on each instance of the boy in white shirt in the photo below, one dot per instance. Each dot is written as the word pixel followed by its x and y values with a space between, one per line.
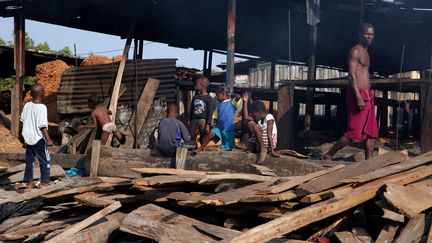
pixel 262 127
pixel 35 133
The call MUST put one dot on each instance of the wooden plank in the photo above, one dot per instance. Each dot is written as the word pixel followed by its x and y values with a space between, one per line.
pixel 94 162
pixel 235 195
pixel 319 196
pixel 11 222
pixel 83 224
pixel 55 172
pixel 332 179
pixel 94 199
pixel 100 232
pixel 162 225
pixel 388 232
pixel 233 178
pixel 392 169
pixel 81 189
pixel 409 200
pixel 362 235
pixel 322 210
pixel 413 231
pixel 429 238
pixel 30 194
pixel 181 154
pixel 170 171
pixel 139 116
pixel 389 213
pixel 33 230
pixel 330 229
pixel 347 237
pixel 33 220
pixel 290 183
pixel 167 180
pixel 64 160
pixel 278 197
pixel 76 140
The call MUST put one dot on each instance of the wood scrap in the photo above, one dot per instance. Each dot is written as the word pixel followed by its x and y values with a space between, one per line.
pixel 163 225
pixel 279 197
pixel 55 172
pixel 389 213
pixel 233 178
pixel 170 171
pixel 328 230
pixel 31 221
pixel 165 180
pixel 77 190
pixel 181 154
pixel 76 140
pixel 290 183
pixel 388 233
pixel 99 200
pixel 332 179
pixel 313 213
pixel 36 193
pixel 331 193
pixel 94 161
pixel 83 224
pixel 413 231
pixel 347 237
pixel 409 200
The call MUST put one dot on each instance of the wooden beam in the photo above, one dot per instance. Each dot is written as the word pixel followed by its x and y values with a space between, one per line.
pixel 94 162
pixel 413 231
pixel 35 193
pixel 163 225
pixel 119 76
pixel 285 116
pixel 181 154
pixel 19 64
pixel 231 33
pixel 139 116
pixel 83 224
pixel 319 211
pixel 426 118
pixel 76 140
pixel 410 200
pixel 56 171
pixel 333 179
pixel 388 232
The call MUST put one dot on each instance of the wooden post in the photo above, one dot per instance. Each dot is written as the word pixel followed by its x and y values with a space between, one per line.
pixel 141 49
pixel 384 113
pixel 231 23
pixel 94 162
pixel 19 55
pixel 285 117
pixel 426 118
pixel 205 63
pixel 210 63
pixel 272 82
pixel 181 154
pixel 311 75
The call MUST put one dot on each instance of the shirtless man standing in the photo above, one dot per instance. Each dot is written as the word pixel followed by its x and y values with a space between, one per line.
pixel 359 97
pixel 100 118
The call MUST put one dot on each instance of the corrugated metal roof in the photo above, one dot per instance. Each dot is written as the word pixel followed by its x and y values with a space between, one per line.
pixel 77 84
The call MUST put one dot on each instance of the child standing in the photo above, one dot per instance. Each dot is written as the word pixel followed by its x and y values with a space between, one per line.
pixel 202 108
pixel 224 114
pixel 262 126
pixel 35 133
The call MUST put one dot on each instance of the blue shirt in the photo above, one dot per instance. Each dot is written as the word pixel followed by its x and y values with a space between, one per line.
pixel 224 114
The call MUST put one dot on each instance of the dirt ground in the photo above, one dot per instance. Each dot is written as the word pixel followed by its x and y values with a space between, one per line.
pixel 9 144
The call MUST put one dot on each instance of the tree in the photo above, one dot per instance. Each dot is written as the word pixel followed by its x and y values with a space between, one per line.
pixel 43 47
pixel 65 51
pixel 2 42
pixel 29 42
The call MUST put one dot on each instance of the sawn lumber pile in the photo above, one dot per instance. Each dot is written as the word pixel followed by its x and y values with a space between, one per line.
pixel 384 199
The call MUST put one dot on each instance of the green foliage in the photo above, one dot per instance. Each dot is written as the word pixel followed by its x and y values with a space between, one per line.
pixel 7 83
pixel 2 42
pixel 43 47
pixel 29 42
pixel 65 51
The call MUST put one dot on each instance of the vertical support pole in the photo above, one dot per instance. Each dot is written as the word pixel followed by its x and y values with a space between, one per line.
pixel 311 76
pixel 210 63
pixel 140 49
pixel 231 23
pixel 426 118
pixel 272 82
pixel 205 63
pixel 384 113
pixel 285 117
pixel 19 56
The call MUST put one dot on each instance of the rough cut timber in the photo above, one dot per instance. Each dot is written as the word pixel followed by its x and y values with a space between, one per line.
pixel 388 232
pixel 163 225
pixel 116 162
pixel 56 171
pixel 318 211
pixel 36 193
pixel 410 200
pixel 333 179
pixel 413 231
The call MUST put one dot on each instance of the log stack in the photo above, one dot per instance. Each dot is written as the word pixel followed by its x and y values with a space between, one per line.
pixel 384 199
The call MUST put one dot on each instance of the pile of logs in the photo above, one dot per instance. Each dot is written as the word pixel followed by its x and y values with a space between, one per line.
pixel 384 199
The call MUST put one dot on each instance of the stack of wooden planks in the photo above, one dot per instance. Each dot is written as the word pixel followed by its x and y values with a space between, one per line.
pixel 384 199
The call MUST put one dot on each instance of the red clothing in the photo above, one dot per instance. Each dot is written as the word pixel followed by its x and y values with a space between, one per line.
pixel 361 124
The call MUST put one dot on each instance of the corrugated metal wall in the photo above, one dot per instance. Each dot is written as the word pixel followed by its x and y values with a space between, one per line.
pixel 78 84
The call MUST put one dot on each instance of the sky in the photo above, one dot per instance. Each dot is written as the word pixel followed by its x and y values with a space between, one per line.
pixel 101 44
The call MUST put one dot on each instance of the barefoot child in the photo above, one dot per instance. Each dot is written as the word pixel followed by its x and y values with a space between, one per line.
pixel 224 115
pixel 202 108
pixel 100 118
pixel 35 133
pixel 262 126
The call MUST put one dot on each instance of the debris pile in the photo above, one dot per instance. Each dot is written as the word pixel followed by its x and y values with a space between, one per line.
pixel 187 74
pixel 384 199
pixel 96 60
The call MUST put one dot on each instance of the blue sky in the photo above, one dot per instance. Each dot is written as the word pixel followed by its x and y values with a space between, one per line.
pixel 91 42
